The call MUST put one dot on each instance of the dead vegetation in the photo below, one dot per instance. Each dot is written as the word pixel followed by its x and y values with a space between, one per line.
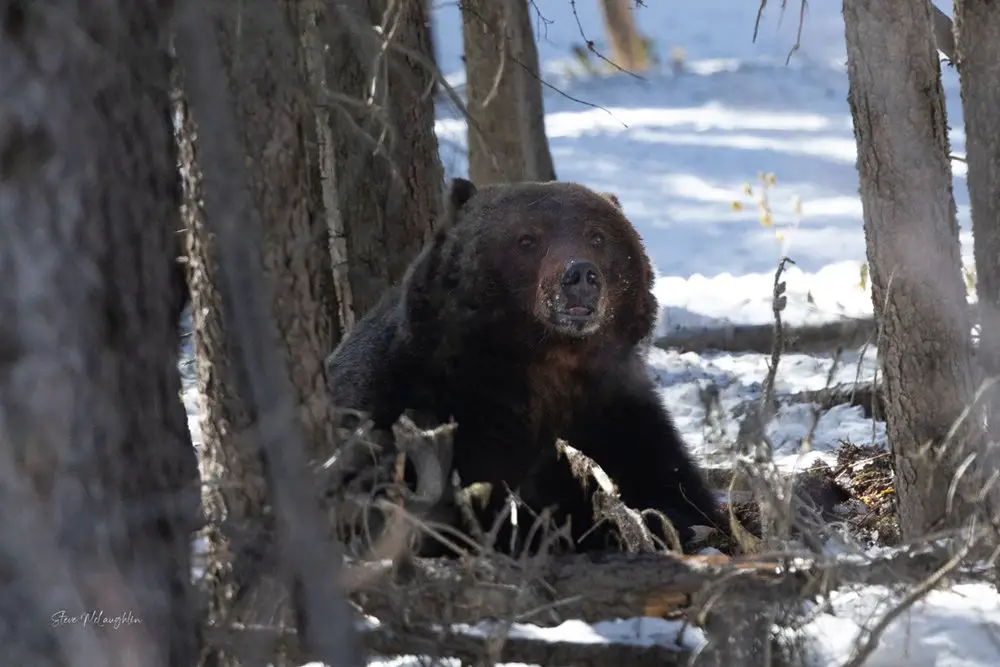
pixel 470 606
pixel 867 472
pixel 483 597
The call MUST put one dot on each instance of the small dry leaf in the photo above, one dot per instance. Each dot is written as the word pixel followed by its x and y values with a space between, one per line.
pixel 797 206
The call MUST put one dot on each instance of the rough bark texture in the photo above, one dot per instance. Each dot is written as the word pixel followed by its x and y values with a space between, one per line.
pixel 97 471
pixel 275 123
pixel 390 178
pixel 628 50
pixel 913 248
pixel 506 134
pixel 978 24
pixel 313 13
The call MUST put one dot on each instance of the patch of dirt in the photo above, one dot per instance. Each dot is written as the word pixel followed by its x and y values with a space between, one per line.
pixel 817 493
pixel 857 493
pixel 866 471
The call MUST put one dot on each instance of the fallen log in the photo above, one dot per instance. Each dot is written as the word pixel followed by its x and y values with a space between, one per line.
pixel 596 587
pixel 866 395
pixel 759 338
pixel 417 608
pixel 432 642
pixel 848 333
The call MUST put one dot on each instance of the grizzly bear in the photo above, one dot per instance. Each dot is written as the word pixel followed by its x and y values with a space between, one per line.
pixel 522 320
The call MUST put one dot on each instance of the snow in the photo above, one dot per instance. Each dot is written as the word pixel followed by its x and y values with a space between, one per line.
pixel 959 627
pixel 677 149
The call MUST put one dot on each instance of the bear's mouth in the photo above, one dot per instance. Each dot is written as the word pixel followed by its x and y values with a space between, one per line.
pixel 576 320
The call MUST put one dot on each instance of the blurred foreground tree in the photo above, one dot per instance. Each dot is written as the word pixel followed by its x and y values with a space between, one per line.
pixel 276 125
pixel 911 230
pixel 97 471
pixel 628 49
pixel 378 103
pixel 977 24
pixel 506 130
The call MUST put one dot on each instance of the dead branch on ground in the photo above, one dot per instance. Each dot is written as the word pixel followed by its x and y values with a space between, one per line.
pixel 634 532
pixel 469 648
pixel 412 605
pixel 595 587
pixel 759 338
pixel 866 395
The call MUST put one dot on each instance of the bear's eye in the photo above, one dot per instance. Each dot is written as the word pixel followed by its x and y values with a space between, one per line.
pixel 526 241
pixel 597 239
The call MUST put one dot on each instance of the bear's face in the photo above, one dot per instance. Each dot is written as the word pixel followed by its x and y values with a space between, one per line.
pixel 557 257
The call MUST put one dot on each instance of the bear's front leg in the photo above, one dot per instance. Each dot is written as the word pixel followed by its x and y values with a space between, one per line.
pixel 498 451
pixel 629 433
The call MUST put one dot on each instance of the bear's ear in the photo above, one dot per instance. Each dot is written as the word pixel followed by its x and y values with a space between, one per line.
pixel 610 196
pixel 460 192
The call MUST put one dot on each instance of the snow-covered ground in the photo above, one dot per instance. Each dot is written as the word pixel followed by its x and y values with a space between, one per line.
pixel 677 149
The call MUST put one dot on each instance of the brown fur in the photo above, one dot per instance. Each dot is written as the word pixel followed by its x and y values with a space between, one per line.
pixel 480 332
pixel 554 383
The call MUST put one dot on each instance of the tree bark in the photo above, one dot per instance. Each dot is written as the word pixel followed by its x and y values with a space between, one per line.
pixel 977 23
pixel 313 13
pixel 912 238
pixel 628 50
pixel 96 465
pixel 276 126
pixel 506 130
pixel 389 178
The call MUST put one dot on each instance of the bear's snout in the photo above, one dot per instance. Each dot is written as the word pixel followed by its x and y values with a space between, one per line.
pixel 572 297
pixel 581 287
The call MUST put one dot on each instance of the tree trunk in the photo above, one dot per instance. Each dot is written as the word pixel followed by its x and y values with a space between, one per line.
pixel 276 126
pixel 97 471
pixel 506 133
pixel 312 14
pixel 977 23
pixel 628 49
pixel 389 178
pixel 913 249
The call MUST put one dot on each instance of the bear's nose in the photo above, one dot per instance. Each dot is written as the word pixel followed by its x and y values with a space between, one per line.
pixel 581 279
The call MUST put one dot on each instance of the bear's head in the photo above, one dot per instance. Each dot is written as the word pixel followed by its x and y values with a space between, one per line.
pixel 551 260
